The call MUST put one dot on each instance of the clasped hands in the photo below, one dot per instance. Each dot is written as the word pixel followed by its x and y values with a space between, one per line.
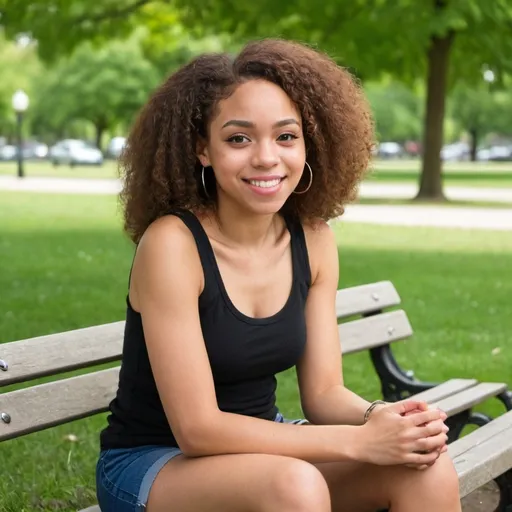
pixel 406 432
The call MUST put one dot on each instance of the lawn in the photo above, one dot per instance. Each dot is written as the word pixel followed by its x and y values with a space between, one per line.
pixel 66 265
pixel 463 174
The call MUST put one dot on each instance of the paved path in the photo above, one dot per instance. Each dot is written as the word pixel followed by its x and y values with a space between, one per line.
pixel 61 185
pixel 406 191
pixel 401 215
pixel 440 216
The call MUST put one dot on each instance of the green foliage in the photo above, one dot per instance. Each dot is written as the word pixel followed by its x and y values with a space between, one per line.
pixel 397 111
pixel 19 69
pixel 104 86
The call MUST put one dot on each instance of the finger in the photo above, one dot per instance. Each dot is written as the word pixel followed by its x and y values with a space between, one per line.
pixel 431 429
pixel 429 444
pixel 419 468
pixel 405 406
pixel 424 417
pixel 420 459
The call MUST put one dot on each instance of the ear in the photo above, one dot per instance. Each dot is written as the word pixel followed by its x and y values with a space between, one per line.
pixel 202 153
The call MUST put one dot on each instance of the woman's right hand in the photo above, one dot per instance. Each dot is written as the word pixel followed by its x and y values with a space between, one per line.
pixel 391 436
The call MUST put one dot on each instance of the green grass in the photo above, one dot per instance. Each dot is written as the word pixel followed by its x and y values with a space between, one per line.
pixel 434 204
pixel 462 174
pixel 487 179
pixel 46 169
pixel 66 262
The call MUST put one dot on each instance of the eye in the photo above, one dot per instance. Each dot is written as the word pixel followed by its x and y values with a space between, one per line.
pixel 238 139
pixel 287 137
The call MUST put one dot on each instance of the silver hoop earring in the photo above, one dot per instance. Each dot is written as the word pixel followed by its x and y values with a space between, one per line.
pixel 204 184
pixel 310 181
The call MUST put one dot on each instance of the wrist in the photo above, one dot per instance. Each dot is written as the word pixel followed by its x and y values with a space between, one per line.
pixel 358 447
pixel 375 405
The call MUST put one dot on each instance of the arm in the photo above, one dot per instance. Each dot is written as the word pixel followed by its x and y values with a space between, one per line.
pixel 325 400
pixel 167 281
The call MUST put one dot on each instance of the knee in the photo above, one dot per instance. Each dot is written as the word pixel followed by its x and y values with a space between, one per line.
pixel 443 475
pixel 440 481
pixel 299 487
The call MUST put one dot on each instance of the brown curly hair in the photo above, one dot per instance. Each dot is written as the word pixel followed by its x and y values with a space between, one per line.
pixel 160 168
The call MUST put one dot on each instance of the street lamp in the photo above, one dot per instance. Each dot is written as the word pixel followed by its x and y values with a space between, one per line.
pixel 20 105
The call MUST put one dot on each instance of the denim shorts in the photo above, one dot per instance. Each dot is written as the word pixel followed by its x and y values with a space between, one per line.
pixel 124 476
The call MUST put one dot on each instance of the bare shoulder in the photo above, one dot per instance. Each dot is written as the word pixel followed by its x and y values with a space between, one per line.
pixel 166 252
pixel 322 247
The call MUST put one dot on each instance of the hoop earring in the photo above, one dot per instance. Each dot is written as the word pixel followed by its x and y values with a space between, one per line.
pixel 310 181
pixel 204 184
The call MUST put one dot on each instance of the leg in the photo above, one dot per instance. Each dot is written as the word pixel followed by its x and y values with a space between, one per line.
pixel 357 487
pixel 239 483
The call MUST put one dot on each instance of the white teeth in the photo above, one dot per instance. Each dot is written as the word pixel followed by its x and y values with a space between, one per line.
pixel 265 184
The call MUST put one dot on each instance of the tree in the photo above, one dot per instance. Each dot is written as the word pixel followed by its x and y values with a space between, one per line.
pixel 440 41
pixel 443 41
pixel 397 111
pixel 481 110
pixel 19 69
pixel 105 86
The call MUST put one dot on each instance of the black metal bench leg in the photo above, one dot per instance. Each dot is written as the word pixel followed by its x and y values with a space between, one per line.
pixel 506 398
pixel 505 485
pixel 396 383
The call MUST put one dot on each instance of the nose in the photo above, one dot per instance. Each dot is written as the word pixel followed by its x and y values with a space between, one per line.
pixel 265 155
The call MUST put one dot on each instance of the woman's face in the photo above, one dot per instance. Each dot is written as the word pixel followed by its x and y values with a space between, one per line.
pixel 256 147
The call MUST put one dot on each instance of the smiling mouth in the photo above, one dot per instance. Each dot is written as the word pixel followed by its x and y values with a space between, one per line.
pixel 265 183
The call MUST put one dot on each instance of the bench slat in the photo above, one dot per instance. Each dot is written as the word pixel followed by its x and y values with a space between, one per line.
pixel 366 298
pixel 470 397
pixel 490 456
pixel 374 331
pixel 57 353
pixel 58 402
pixel 444 390
pixel 481 435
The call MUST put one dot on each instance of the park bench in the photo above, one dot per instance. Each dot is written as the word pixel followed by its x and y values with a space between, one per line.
pixel 480 457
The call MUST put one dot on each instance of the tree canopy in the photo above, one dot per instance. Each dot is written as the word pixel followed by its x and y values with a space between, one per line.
pixel 104 86
pixel 442 42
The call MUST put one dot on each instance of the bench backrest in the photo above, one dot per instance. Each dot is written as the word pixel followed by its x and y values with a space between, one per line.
pixel 40 406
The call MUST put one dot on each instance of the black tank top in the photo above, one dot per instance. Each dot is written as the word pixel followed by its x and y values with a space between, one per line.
pixel 245 353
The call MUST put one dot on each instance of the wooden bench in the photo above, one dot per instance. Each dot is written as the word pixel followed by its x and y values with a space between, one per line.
pixel 479 457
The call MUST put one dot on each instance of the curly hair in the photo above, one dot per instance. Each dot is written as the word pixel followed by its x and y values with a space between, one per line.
pixel 160 168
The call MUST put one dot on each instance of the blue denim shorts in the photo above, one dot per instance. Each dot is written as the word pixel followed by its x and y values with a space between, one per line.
pixel 124 476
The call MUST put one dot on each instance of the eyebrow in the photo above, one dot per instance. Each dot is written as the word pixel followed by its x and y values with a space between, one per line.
pixel 249 124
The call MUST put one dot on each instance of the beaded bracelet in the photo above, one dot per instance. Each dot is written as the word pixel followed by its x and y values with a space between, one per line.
pixel 371 407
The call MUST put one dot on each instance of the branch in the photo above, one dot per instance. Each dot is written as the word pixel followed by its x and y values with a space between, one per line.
pixel 112 13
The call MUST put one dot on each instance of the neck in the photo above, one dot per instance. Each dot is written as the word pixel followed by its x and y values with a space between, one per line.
pixel 245 229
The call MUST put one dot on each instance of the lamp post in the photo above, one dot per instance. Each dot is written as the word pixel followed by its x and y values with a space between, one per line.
pixel 20 105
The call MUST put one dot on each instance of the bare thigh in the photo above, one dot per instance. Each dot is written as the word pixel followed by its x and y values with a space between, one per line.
pixel 239 483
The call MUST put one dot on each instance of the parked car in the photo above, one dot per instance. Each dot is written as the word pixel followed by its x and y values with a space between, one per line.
pixel 75 152
pixel 115 147
pixel 34 150
pixel 501 153
pixel 8 153
pixel 456 152
pixel 389 150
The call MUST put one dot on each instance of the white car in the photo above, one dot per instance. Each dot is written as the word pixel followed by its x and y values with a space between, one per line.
pixel 75 152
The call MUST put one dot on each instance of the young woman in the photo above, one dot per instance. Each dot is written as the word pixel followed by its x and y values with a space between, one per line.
pixel 231 172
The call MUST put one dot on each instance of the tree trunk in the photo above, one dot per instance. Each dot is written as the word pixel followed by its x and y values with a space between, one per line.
pixel 431 186
pixel 473 132
pixel 100 129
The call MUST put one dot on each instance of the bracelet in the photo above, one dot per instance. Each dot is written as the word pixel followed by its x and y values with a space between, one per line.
pixel 370 409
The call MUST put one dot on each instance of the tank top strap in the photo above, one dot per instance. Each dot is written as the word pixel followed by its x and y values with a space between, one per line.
pixel 299 250
pixel 204 248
